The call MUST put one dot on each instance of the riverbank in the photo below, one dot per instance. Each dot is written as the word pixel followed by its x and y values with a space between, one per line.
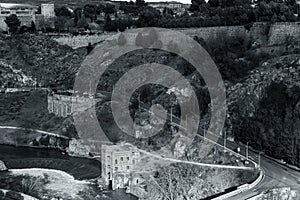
pixel 60 175
pixel 27 157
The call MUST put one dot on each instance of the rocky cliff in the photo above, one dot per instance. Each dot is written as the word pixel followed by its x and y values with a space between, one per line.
pixel 264 109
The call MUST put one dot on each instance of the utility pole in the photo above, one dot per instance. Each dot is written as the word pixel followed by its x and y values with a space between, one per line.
pixel 152 105
pixel 224 140
pixel 259 159
pixel 139 99
pixel 247 150
pixel 90 91
pixel 171 115
pixel 35 82
pixel 186 122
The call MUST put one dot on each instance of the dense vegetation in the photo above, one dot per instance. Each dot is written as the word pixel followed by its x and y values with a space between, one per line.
pixel 98 16
pixel 182 181
pixel 273 128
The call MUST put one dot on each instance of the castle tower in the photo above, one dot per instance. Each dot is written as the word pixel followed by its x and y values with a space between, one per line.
pixel 47 10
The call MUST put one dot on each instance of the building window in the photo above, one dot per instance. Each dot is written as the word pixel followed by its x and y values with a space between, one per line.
pixel 116 168
pixel 127 167
pixel 127 158
pixel 116 161
pixel 133 161
pixel 122 159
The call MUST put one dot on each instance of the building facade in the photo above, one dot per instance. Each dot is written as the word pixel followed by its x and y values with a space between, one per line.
pixel 26 13
pixel 117 163
pixel 63 105
pixel 177 7
pixel 47 10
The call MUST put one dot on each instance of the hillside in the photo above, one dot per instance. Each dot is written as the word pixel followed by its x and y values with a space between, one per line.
pixel 41 58
pixel 10 77
pixel 71 3
pixel 262 83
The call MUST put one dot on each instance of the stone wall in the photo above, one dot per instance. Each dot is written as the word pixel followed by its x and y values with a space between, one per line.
pixel 261 32
pixel 258 32
pixel 208 33
pixel 82 40
pixel 280 31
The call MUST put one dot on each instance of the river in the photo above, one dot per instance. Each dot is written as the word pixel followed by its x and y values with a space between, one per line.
pixel 80 168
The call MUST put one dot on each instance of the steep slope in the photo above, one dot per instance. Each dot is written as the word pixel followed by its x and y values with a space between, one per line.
pixel 42 58
pixel 10 77
pixel 264 109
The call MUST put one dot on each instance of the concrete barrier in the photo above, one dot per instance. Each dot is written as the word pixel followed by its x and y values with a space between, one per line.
pixel 242 188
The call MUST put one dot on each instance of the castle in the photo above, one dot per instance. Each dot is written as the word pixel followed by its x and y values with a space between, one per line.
pixel 26 13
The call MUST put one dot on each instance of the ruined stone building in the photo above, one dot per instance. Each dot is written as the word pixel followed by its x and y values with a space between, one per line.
pixel 63 105
pixel 117 163
pixel 26 13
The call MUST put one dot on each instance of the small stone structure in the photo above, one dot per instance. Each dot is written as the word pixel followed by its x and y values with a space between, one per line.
pixel 2 166
pixel 117 162
pixel 63 105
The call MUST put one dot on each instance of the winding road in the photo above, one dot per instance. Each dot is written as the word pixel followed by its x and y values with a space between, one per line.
pixel 276 174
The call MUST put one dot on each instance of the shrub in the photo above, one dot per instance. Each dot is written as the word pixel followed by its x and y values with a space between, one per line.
pixel 11 195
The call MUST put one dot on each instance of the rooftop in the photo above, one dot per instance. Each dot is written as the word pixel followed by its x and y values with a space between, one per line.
pixel 16 5
pixel 165 2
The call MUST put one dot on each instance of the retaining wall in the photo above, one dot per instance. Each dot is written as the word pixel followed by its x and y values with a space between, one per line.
pixel 242 188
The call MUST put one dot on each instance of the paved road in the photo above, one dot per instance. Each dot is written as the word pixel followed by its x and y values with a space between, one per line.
pixel 194 163
pixel 275 174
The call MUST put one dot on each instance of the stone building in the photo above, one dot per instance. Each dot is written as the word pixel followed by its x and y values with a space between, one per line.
pixel 63 105
pixel 48 10
pixel 117 163
pixel 26 13
pixel 177 7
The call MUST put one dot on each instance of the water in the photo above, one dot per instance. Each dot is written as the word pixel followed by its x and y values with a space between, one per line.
pixel 80 168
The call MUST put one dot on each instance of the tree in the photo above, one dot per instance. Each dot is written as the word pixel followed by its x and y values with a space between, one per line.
pixel 121 40
pixel 13 23
pixel 90 12
pixel 63 11
pixel 100 9
pixel 148 17
pixel 196 4
pixel 77 14
pixel 107 23
pixel 214 3
pixel 46 24
pixel 140 3
pixel 139 39
pixel 82 23
pixel 69 24
pixel 32 27
pixel 60 23
pixel 109 8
